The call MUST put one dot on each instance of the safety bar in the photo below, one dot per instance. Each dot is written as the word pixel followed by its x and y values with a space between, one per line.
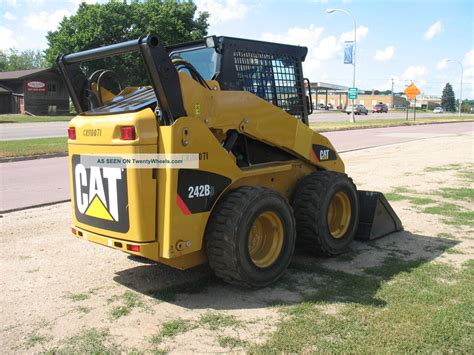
pixel 161 72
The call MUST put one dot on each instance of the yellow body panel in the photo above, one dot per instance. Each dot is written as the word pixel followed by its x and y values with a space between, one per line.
pixel 166 231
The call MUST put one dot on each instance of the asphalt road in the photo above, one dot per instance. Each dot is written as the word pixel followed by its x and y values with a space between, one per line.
pixel 337 116
pixel 13 131
pixel 42 181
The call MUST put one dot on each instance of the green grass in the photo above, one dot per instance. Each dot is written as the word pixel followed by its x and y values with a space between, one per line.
pixel 88 341
pixel 398 307
pixel 460 193
pixel 171 329
pixel 374 123
pixel 129 301
pixel 78 296
pixel 19 118
pixel 35 339
pixel 394 196
pixel 231 342
pixel 32 147
pixel 454 214
pixel 214 321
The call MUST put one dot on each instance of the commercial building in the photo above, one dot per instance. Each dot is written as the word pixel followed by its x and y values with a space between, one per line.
pixel 36 91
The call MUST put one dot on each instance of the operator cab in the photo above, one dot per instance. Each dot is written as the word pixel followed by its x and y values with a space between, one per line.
pixel 271 71
pixel 120 83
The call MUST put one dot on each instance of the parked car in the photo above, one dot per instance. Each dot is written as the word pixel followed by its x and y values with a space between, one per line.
pixel 399 107
pixel 380 108
pixel 438 109
pixel 358 110
pixel 324 107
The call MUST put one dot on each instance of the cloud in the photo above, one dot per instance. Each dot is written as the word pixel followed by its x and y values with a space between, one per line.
pixel 9 16
pixel 11 3
pixel 76 3
pixel 44 20
pixel 435 29
pixel 327 48
pixel 7 41
pixel 414 72
pixel 34 2
pixel 299 36
pixel 384 55
pixel 469 58
pixel 221 11
pixel 362 32
pixel 442 64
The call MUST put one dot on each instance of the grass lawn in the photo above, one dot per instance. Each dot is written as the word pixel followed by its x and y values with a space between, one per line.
pixel 374 123
pixel 31 147
pixel 18 118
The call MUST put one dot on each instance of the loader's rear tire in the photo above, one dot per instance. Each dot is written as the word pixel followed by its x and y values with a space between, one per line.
pixel 250 237
pixel 326 211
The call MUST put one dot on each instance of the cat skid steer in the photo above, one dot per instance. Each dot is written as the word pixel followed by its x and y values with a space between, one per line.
pixel 264 179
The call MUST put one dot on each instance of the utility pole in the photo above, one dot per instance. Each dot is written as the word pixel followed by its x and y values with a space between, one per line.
pixel 330 11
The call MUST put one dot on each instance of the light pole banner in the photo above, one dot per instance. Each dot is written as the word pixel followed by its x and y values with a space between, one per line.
pixel 348 51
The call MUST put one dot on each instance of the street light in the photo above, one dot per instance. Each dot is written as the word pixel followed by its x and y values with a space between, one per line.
pixel 330 11
pixel 462 74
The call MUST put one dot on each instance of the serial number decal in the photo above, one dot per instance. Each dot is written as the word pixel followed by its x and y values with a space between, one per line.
pixel 204 156
pixel 92 132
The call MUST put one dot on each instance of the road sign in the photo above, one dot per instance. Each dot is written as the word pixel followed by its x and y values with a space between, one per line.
pixel 412 91
pixel 352 93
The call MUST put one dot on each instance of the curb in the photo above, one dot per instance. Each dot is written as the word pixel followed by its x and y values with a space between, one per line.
pixel 34 206
pixel 388 126
pixel 32 157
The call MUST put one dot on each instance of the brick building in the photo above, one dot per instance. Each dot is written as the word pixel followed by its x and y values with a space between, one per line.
pixel 37 91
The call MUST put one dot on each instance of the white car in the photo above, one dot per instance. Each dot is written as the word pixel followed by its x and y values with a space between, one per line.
pixel 438 110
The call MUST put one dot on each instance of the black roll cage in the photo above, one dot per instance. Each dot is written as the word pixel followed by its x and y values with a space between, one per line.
pixel 161 72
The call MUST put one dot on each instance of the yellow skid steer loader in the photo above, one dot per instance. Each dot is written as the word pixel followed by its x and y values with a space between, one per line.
pixel 263 180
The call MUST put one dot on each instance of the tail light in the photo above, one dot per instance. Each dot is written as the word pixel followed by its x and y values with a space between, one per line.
pixel 71 132
pixel 127 133
pixel 73 231
pixel 135 248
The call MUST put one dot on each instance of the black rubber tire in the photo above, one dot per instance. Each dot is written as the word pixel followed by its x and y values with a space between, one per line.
pixel 311 203
pixel 227 234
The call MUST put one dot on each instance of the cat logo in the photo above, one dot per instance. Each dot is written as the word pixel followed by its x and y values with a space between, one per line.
pixel 101 196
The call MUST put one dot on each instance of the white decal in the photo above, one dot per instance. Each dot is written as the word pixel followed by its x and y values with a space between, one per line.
pixel 199 191
pixel 81 180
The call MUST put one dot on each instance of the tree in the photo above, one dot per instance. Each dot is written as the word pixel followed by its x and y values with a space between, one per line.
pixel 447 99
pixel 96 25
pixel 13 59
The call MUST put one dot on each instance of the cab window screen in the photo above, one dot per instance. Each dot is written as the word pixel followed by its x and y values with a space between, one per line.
pixel 272 78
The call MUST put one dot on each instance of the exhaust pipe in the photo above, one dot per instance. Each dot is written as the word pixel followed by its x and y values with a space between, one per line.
pixel 376 217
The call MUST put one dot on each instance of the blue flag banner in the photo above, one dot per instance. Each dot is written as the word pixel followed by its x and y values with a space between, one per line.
pixel 348 51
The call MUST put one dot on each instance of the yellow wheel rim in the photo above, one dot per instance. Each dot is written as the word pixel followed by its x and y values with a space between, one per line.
pixel 265 239
pixel 339 214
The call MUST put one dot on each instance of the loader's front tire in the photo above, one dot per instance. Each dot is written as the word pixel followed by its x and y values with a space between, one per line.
pixel 326 211
pixel 250 237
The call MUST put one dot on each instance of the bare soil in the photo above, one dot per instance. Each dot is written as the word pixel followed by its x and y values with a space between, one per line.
pixel 55 286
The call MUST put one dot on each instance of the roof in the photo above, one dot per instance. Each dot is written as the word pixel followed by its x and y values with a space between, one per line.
pixel 19 74
pixel 327 86
pixel 5 90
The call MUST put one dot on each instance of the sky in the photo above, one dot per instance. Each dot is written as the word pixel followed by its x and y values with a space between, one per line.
pixel 407 41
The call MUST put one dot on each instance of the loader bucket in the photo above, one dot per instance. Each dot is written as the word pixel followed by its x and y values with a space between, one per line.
pixel 376 217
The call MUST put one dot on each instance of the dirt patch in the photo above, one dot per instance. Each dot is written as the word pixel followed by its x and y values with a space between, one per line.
pixel 59 292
